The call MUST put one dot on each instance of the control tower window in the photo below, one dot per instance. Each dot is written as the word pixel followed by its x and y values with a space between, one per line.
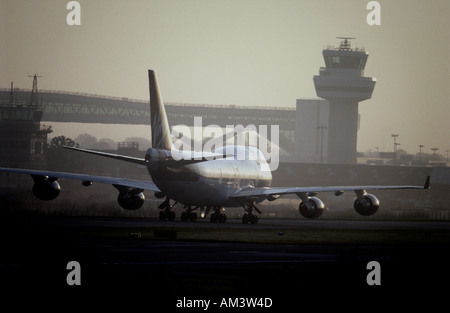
pixel 350 62
pixel 335 60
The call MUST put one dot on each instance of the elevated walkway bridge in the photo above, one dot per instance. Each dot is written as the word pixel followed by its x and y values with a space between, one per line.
pixel 60 106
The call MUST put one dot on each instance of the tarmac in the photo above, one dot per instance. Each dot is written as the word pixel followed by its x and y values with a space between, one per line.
pixel 35 253
pixel 122 222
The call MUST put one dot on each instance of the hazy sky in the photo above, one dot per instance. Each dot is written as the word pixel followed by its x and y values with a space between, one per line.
pixel 243 52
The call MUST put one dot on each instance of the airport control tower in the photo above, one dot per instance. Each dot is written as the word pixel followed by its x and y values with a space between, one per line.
pixel 343 84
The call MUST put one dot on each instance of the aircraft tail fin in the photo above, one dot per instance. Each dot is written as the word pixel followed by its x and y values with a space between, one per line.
pixel 160 126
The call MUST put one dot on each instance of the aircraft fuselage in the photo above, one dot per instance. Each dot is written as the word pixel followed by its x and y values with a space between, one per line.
pixel 211 183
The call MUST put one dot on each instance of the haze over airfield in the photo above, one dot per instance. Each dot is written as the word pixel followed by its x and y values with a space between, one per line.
pixel 241 52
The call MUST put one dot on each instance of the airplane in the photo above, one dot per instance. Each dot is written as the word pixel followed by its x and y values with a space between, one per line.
pixel 208 182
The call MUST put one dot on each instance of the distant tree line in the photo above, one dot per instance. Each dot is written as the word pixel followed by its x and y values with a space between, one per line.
pixel 60 141
pixel 87 141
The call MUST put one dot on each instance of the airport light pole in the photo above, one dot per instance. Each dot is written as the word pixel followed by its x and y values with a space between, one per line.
pixel 396 149
pixel 395 144
pixel 420 151
pixel 322 127
pixel 434 154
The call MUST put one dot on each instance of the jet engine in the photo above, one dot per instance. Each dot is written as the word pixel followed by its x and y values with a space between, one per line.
pixel 272 197
pixel 45 188
pixel 312 207
pixel 367 205
pixel 131 200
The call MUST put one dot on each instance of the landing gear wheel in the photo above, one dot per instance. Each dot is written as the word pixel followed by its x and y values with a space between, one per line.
pixel 188 216
pixel 249 219
pixel 166 212
pixel 166 215
pixel 218 218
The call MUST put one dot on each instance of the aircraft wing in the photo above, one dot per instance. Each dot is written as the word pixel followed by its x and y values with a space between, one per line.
pixel 110 155
pixel 249 192
pixel 139 184
pixel 184 157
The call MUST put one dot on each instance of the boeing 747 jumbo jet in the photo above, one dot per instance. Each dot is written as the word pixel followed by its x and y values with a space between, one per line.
pixel 203 181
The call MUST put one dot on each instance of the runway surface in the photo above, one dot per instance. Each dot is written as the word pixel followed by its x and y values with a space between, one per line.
pixel 35 253
pixel 237 223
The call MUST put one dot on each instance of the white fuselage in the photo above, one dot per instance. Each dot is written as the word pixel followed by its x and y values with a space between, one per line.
pixel 211 183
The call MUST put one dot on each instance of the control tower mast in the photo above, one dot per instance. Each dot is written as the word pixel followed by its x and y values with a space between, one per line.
pixel 343 84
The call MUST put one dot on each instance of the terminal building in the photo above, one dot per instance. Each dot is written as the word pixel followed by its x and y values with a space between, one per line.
pixel 311 130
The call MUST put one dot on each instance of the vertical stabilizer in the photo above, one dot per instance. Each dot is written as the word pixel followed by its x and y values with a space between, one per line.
pixel 160 126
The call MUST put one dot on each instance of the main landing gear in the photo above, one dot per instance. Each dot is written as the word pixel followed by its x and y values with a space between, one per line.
pixel 166 213
pixel 249 217
pixel 217 216
pixel 189 215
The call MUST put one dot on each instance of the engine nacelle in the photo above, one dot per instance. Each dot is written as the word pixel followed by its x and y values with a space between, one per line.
pixel 272 197
pixel 313 207
pixel 131 200
pixel 367 205
pixel 45 188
